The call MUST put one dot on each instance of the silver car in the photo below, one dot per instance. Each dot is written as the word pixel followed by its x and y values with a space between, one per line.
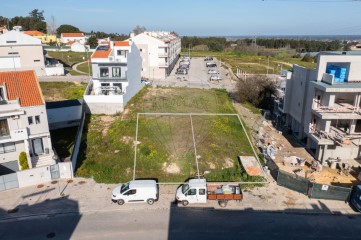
pixel 215 78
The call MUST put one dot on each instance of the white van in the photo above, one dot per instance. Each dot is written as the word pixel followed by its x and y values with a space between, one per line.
pixel 136 191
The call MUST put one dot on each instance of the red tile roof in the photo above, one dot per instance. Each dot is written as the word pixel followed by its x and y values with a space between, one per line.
pixel 23 85
pixel 34 33
pixel 121 43
pixel 70 42
pixel 101 53
pixel 72 34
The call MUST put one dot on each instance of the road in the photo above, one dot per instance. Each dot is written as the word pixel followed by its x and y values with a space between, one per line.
pixel 184 223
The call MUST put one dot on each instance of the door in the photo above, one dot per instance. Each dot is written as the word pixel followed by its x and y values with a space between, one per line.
pixel 54 171
pixel 192 195
pixel 202 196
pixel 37 146
pixel 132 196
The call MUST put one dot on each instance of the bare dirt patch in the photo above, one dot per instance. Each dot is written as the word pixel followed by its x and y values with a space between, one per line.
pixel 172 168
pixel 106 122
pixel 228 163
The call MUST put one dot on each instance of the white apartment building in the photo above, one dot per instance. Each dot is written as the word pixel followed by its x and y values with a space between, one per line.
pixel 72 37
pixel 323 106
pixel 20 51
pixel 116 77
pixel 23 122
pixel 159 52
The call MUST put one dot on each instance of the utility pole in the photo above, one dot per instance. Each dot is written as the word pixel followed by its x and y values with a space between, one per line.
pixel 268 64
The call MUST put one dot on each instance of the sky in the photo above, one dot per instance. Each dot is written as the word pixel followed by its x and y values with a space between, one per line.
pixel 201 17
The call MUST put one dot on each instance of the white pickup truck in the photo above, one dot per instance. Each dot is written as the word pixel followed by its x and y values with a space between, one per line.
pixel 199 191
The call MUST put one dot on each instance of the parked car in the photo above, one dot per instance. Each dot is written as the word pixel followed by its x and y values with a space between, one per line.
pixel 181 71
pixel 186 58
pixel 208 59
pixel 184 62
pixel 215 78
pixel 211 64
pixel 183 67
pixel 136 191
pixel 213 71
pixel 199 191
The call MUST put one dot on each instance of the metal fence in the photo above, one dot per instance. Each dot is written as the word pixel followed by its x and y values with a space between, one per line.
pixel 9 181
pixel 293 181
pixel 305 186
pixel 329 192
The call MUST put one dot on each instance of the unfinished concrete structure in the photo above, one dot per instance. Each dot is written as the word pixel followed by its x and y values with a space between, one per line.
pixel 324 110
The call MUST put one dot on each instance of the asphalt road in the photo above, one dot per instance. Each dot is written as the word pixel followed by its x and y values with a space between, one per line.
pixel 184 223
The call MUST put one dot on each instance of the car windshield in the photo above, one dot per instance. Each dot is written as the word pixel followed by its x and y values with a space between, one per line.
pixel 185 188
pixel 124 187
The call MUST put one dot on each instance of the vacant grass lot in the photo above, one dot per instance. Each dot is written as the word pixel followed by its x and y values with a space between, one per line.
pixel 165 150
pixel 70 58
pixel 57 91
pixel 255 64
pixel 85 68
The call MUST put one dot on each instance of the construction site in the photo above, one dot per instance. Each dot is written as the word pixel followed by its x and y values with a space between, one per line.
pixel 292 157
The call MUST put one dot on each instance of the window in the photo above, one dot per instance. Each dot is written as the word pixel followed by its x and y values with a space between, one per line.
pixel 10 41
pixel 192 191
pixel 30 120
pixel 116 71
pixel 202 191
pixel 13 53
pixel 37 119
pixel 104 72
pixel 4 128
pixel 2 95
pixel 7 147
pixel 36 60
pixel 118 87
pixel 131 192
pixel 140 50
pixel 122 53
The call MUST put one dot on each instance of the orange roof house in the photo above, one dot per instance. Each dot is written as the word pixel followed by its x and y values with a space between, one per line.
pixel 121 43
pixel 34 33
pixel 22 85
pixel 72 35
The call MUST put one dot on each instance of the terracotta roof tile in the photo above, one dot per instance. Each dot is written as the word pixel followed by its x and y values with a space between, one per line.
pixel 101 53
pixel 34 33
pixel 121 43
pixel 72 34
pixel 23 85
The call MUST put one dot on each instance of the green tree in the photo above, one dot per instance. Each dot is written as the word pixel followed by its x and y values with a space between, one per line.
pixel 92 41
pixel 23 161
pixel 66 28
pixel 36 14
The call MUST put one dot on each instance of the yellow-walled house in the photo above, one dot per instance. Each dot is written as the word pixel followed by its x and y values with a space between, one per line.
pixel 45 38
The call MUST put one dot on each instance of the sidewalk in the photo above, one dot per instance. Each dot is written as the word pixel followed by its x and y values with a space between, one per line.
pixel 85 196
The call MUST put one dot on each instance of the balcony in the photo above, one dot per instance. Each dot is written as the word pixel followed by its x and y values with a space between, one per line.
pixel 337 111
pixel 107 77
pixel 163 64
pixel 15 135
pixel 162 55
pixel 335 135
pixel 9 106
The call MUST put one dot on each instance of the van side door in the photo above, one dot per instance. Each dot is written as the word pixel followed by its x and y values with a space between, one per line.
pixel 131 195
pixel 192 195
pixel 202 195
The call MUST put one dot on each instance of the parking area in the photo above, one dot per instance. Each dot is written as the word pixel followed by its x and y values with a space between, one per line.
pixel 198 76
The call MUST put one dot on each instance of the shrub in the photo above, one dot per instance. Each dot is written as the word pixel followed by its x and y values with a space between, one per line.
pixel 23 161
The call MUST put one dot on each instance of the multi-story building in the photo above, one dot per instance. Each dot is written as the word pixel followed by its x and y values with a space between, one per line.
pixel 19 51
pixel 116 68
pixel 72 37
pixel 23 122
pixel 323 105
pixel 159 52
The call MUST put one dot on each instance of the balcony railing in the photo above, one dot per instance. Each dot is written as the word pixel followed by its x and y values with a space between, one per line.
pixel 336 108
pixel 107 77
pixel 9 105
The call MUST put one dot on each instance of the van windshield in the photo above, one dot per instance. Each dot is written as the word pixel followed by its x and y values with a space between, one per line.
pixel 124 187
pixel 185 188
